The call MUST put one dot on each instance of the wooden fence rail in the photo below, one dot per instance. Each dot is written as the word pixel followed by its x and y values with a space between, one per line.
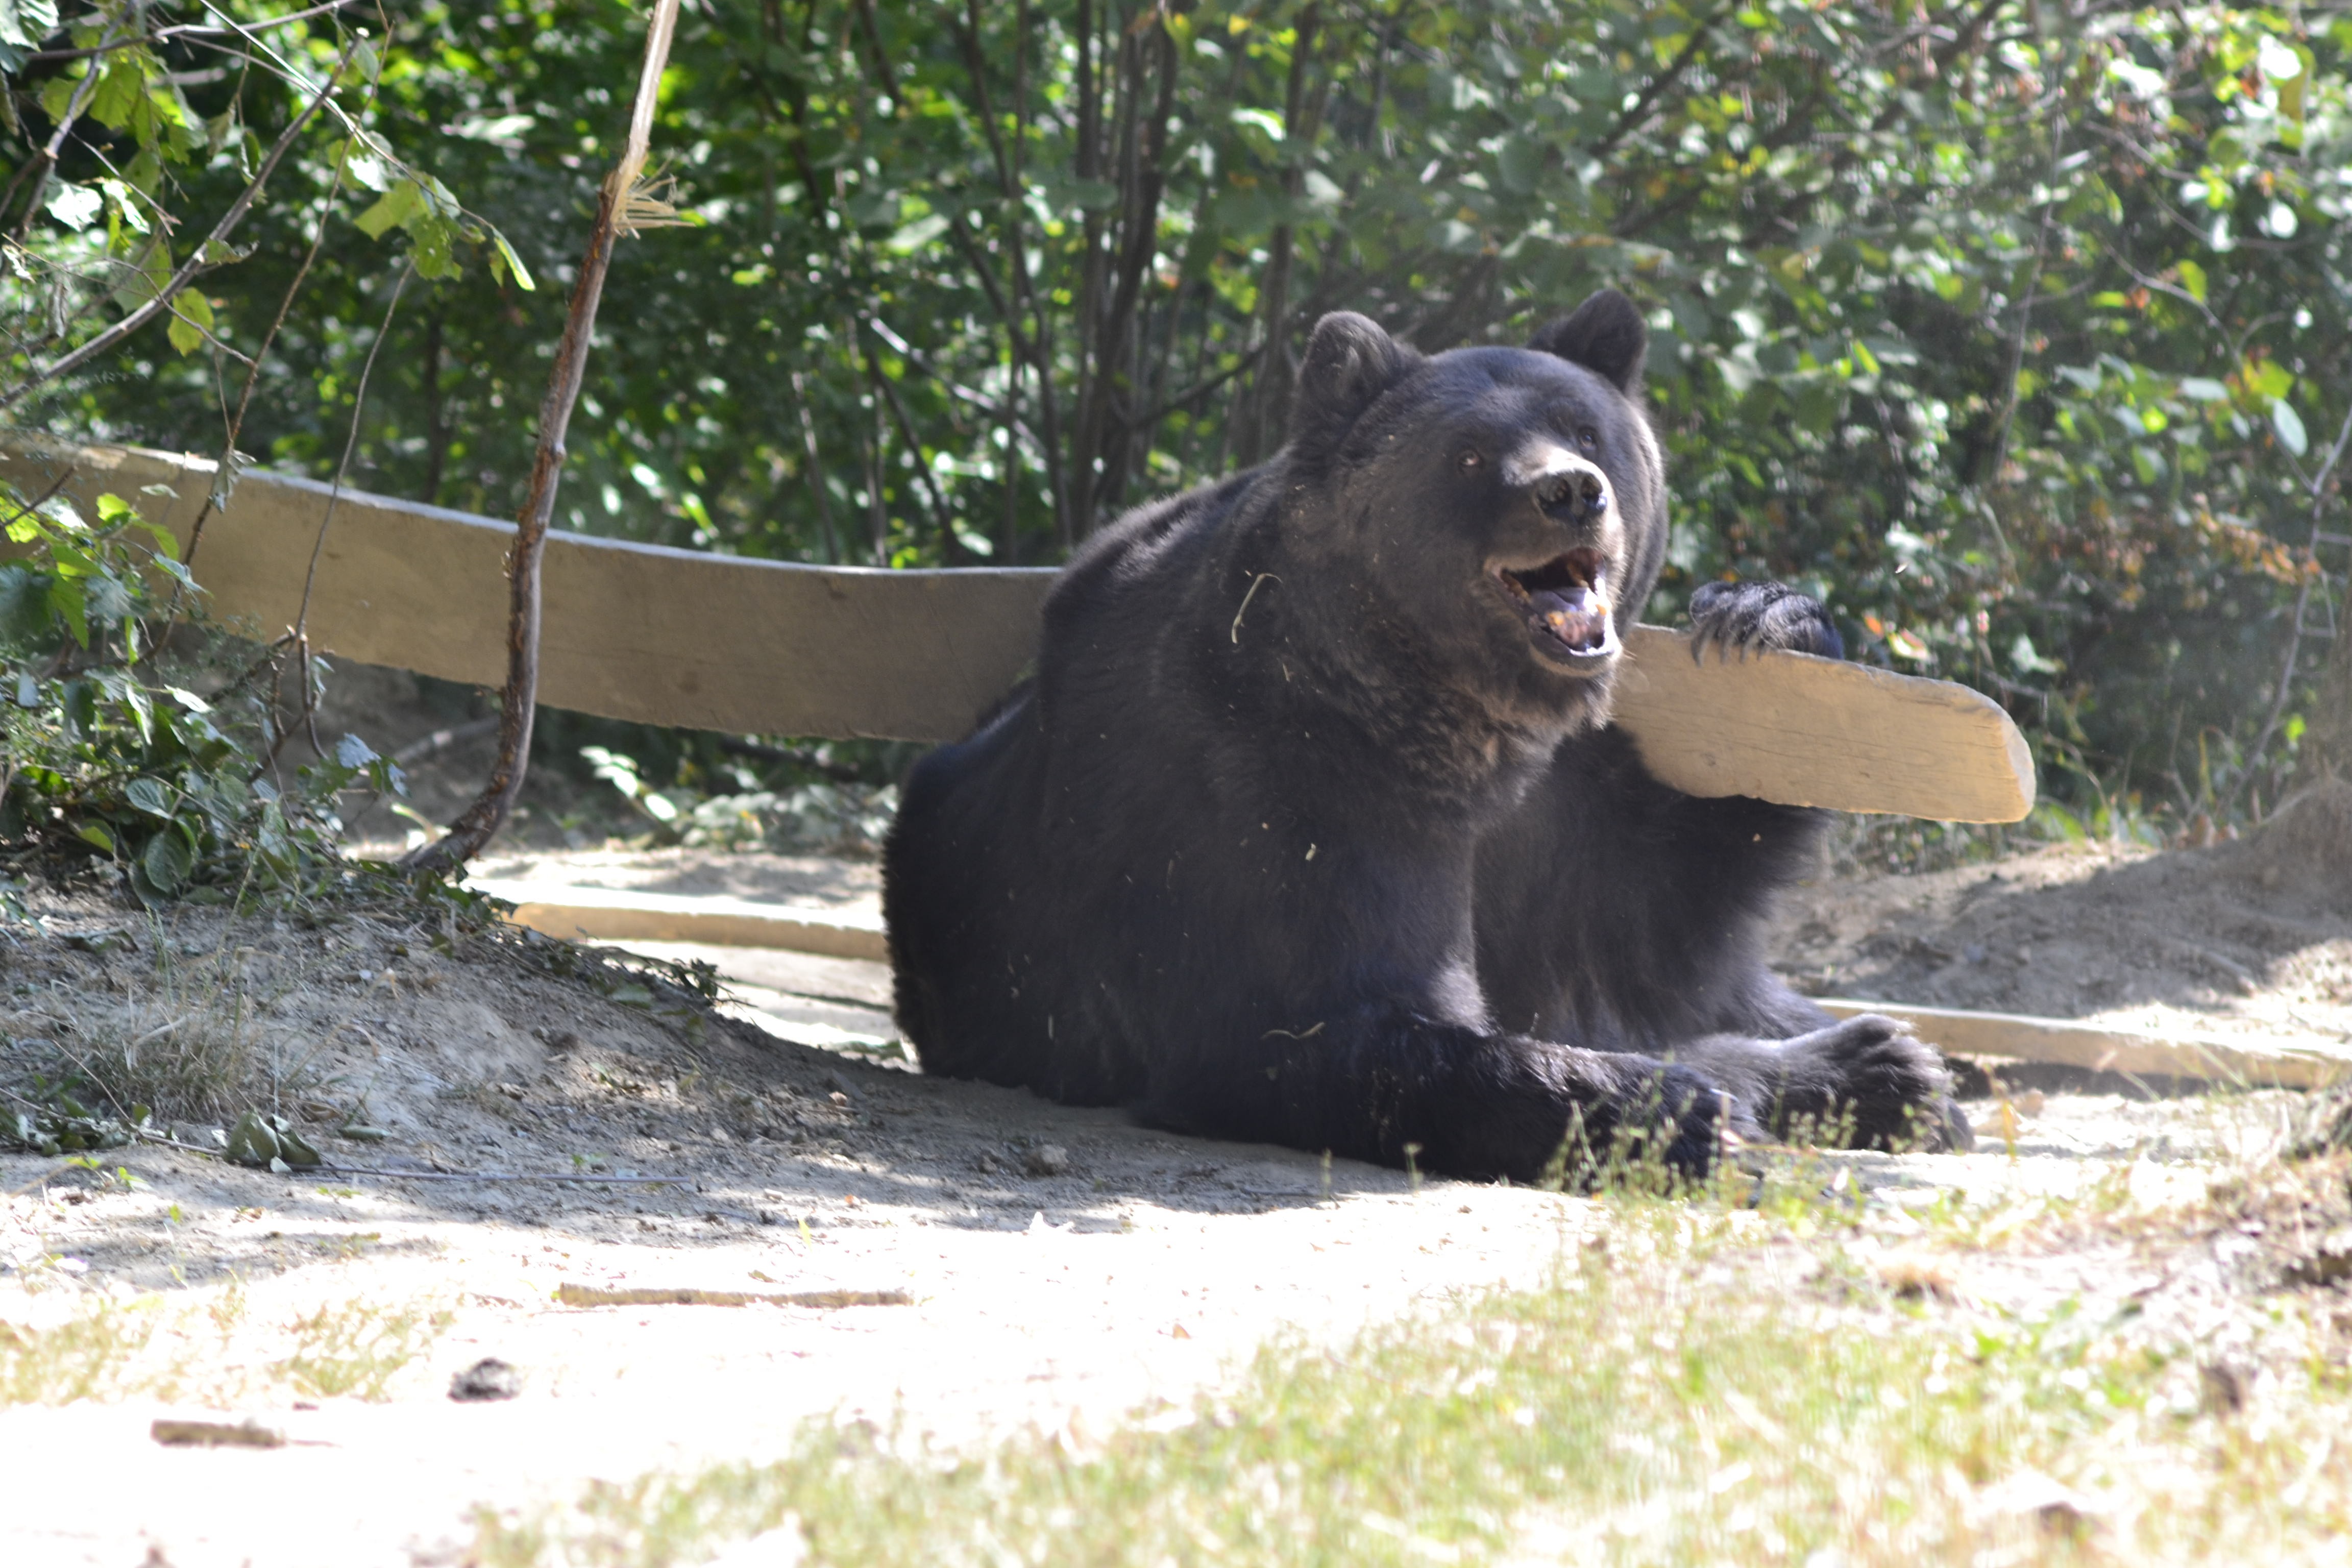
pixel 718 642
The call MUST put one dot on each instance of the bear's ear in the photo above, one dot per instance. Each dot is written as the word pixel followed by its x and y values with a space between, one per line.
pixel 1350 361
pixel 1605 334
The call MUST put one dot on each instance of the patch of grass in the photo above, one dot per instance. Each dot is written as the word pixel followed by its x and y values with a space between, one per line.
pixel 84 1357
pixel 186 1041
pixel 355 1350
pixel 210 1350
pixel 1694 1388
pixel 190 1048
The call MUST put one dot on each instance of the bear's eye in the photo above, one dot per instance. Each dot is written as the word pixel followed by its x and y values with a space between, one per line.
pixel 1589 438
pixel 1470 462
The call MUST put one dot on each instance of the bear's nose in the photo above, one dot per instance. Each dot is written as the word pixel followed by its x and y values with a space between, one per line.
pixel 1568 493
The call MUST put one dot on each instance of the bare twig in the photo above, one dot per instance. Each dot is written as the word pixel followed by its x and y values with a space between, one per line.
pixel 227 474
pixel 334 495
pixel 980 400
pixel 46 158
pixel 30 506
pixel 198 258
pixel 2318 486
pixel 816 471
pixel 186 30
pixel 519 699
pixel 1633 117
pixel 924 479
pixel 441 740
pixel 758 752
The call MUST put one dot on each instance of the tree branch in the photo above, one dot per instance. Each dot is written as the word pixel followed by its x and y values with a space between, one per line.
pixel 195 262
pixel 520 701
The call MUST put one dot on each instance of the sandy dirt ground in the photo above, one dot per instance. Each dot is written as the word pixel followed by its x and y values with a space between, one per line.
pixel 1063 1268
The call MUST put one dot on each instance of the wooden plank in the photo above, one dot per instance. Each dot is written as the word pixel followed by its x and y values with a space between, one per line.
pixel 631 631
pixel 627 915
pixel 2303 1064
pixel 704 641
pixel 1818 731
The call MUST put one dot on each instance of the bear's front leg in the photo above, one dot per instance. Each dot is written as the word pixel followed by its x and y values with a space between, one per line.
pixel 1740 618
pixel 1390 1085
pixel 1867 1081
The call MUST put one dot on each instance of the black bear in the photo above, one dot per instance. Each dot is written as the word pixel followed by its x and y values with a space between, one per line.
pixel 1310 827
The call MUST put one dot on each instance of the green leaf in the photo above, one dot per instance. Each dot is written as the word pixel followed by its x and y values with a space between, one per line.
pixel 2202 389
pixel 2270 379
pixel 1260 119
pixel 24 22
pixel 24 614
pixel 430 233
pixel 503 252
pixel 393 210
pixel 92 833
pixel 192 320
pixel 75 206
pixel 253 1140
pixel 916 235
pixel 148 796
pixel 122 87
pixel 2192 278
pixel 167 861
pixel 2289 425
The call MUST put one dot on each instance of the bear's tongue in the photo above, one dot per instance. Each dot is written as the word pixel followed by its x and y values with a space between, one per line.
pixel 1567 598
pixel 1577 615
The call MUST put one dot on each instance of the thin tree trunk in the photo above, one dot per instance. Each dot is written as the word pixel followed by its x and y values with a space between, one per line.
pixel 817 473
pixel 877 514
pixel 2327 743
pixel 436 428
pixel 1272 407
pixel 520 701
pixel 925 483
pixel 1011 545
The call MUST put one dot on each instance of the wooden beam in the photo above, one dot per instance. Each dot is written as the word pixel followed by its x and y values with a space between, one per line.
pixel 631 631
pixel 1802 731
pixel 717 642
pixel 627 915
pixel 2063 1043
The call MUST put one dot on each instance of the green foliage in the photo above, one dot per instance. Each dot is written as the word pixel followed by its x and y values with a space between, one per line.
pixel 2006 327
pixel 53 1121
pixel 109 756
pixel 729 807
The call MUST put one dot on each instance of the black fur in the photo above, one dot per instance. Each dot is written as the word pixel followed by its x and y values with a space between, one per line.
pixel 1306 833
pixel 1741 618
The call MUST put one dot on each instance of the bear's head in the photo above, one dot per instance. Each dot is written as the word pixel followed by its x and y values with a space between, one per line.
pixel 1502 509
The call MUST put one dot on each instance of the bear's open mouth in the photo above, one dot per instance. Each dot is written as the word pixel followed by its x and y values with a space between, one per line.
pixel 1566 602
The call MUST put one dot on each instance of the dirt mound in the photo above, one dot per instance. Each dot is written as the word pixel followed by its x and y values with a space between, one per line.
pixel 2307 846
pixel 2221 940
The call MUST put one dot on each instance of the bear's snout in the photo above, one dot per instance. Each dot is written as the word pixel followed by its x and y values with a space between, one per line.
pixel 1569 494
pixel 1566 487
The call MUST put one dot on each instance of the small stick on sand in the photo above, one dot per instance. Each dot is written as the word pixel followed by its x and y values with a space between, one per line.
pixel 182 1433
pixel 591 1296
pixel 330 1170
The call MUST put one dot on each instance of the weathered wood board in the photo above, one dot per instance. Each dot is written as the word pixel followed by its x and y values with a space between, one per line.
pixel 716 642
pixel 627 915
pixel 629 631
pixel 1819 731
pixel 2257 1063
